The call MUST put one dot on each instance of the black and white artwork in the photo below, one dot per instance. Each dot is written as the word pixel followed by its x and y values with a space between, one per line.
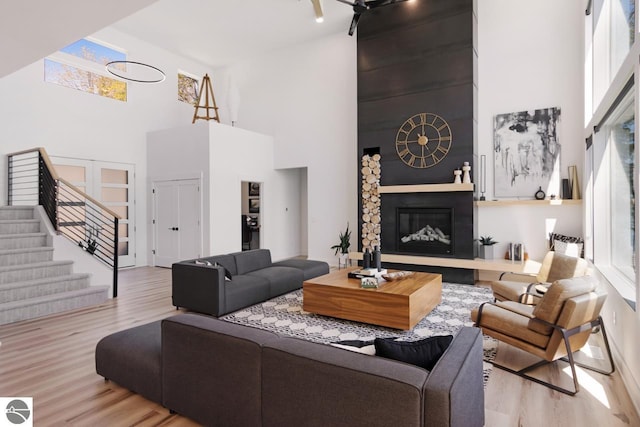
pixel 526 153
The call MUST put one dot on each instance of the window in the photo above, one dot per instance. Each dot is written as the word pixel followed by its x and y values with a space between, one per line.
pixel 621 145
pixel 187 89
pixel 622 32
pixel 81 66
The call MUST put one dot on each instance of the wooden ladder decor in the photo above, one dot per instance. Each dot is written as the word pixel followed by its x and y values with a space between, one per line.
pixel 208 93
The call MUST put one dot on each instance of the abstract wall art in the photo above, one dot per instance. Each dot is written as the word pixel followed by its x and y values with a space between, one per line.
pixel 526 153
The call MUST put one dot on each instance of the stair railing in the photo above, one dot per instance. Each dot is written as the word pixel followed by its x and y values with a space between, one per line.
pixel 73 213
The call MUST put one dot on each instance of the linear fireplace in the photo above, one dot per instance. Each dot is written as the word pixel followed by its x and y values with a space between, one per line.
pixel 425 231
pixel 438 224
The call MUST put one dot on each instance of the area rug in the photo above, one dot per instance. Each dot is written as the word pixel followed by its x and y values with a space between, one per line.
pixel 284 315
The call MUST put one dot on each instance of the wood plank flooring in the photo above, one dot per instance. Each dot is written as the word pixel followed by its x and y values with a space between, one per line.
pixel 52 360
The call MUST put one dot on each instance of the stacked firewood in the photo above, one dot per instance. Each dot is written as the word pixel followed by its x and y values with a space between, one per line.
pixel 370 202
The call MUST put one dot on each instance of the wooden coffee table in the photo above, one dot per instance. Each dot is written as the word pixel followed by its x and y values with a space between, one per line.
pixel 399 304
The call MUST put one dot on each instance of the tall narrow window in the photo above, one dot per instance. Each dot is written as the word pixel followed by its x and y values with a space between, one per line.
pixel 622 194
pixel 187 88
pixel 81 66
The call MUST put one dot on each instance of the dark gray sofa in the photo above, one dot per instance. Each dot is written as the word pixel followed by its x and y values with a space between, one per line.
pixel 254 278
pixel 223 374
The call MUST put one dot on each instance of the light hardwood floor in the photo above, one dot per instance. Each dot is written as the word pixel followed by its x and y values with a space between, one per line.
pixel 52 360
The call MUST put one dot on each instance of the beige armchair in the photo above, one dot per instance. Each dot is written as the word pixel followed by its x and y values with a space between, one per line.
pixel 554 266
pixel 555 328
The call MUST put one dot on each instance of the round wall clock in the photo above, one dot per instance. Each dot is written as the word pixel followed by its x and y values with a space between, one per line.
pixel 423 140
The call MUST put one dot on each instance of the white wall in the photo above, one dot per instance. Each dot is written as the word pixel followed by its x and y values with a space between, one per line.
pixel 227 158
pixel 305 96
pixel 530 55
pixel 238 155
pixel 71 123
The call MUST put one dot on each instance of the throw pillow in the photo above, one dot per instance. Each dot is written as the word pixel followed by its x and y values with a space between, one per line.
pixel 568 248
pixel 424 353
pixel 553 237
pixel 203 262
pixel 227 273
pixel 364 347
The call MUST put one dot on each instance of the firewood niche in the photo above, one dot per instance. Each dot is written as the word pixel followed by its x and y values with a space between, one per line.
pixel 370 202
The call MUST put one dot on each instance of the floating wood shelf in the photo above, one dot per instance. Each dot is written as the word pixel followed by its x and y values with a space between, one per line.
pixel 528 267
pixel 424 188
pixel 558 202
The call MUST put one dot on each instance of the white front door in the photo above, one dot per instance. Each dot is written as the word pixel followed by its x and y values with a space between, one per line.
pixel 177 207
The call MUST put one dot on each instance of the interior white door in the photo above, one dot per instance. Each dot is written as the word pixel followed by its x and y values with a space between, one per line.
pixel 176 221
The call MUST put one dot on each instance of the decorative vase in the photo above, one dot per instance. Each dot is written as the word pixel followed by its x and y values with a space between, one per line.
pixel 466 177
pixel 366 259
pixel 486 251
pixel 575 187
pixel 457 179
pixel 377 258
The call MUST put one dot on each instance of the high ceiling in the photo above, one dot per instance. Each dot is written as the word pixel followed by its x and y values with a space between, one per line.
pixel 221 32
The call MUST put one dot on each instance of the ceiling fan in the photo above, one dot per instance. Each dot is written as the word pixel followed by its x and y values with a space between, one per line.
pixel 362 6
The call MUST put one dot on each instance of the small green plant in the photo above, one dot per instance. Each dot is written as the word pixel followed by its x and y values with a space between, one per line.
pixel 344 244
pixel 487 241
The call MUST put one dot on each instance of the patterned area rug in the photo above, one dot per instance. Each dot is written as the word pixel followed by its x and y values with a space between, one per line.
pixel 284 315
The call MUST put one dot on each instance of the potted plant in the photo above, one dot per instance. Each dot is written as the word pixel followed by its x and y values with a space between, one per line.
pixel 486 247
pixel 343 246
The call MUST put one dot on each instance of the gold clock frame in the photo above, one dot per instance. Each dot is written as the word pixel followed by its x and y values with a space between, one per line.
pixel 419 151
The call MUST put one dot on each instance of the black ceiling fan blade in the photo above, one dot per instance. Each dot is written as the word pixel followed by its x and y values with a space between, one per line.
pixel 354 23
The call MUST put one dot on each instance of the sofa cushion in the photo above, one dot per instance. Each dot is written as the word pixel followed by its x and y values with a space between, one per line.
pixel 252 260
pixel 132 359
pixel 244 290
pixel 423 353
pixel 309 268
pixel 281 279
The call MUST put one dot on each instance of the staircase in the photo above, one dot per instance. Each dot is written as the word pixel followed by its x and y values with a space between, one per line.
pixel 32 284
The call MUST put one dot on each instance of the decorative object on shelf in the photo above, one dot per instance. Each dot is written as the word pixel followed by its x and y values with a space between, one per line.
pixel 566 189
pixel 370 201
pixel 466 175
pixel 457 173
pixel 486 247
pixel 209 102
pixel 156 76
pixel 575 187
pixel 539 194
pixel 423 140
pixel 254 189
pixel 254 205
pixel 516 251
pixel 526 145
pixel 483 176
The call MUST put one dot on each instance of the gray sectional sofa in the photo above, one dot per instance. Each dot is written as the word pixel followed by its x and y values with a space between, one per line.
pixel 223 374
pixel 200 284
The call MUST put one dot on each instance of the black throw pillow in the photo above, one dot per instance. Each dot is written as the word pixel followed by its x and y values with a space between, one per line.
pixel 424 353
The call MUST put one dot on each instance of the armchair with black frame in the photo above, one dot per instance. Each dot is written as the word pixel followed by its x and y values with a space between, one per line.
pixel 558 326
pixel 555 266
